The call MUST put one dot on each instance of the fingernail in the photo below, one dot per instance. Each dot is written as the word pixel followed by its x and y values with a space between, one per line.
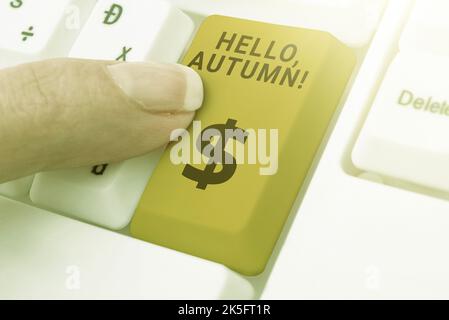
pixel 159 87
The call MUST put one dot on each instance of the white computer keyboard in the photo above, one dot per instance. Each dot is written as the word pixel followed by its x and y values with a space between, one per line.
pixel 370 222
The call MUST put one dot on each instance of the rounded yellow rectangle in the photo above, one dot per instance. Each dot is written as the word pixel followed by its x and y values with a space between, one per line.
pixel 274 89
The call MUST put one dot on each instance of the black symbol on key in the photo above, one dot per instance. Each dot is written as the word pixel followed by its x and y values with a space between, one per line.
pixel 27 34
pixel 99 170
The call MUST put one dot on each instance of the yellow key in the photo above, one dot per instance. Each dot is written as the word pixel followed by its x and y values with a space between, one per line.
pixel 224 189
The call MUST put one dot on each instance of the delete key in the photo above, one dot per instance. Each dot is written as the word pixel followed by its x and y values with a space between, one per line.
pixel 225 187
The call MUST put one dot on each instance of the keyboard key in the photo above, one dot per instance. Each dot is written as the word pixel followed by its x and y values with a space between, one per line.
pixel 225 209
pixel 16 188
pixel 46 256
pixel 31 30
pixel 405 134
pixel 427 28
pixel 134 31
pixel 117 30
pixel 352 21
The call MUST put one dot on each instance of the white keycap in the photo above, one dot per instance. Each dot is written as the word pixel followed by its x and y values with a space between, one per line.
pixel 406 134
pixel 353 239
pixel 16 188
pixel 135 30
pixel 31 30
pixel 428 28
pixel 352 21
pixel 151 30
pixel 43 255
pixel 106 195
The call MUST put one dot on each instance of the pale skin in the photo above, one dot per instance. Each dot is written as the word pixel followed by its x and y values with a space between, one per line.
pixel 69 113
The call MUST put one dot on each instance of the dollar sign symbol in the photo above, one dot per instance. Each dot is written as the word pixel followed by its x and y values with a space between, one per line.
pixel 208 175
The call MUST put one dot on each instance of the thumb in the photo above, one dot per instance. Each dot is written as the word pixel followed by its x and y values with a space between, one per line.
pixel 70 113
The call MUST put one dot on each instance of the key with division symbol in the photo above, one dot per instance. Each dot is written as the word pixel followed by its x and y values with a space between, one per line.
pixel 31 30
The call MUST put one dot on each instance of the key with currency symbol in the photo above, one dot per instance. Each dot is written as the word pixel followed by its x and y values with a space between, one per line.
pixel 262 77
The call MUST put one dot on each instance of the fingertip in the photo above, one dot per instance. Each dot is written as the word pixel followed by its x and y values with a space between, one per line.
pixel 159 87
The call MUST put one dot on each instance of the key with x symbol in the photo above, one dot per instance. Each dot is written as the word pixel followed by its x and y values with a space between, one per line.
pixel 134 31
